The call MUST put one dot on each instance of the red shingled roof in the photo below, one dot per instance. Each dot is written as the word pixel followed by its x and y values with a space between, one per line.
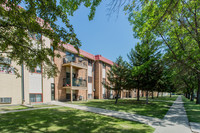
pixel 105 60
pixel 82 52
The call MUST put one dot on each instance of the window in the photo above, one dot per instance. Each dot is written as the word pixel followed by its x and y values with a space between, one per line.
pixel 104 80
pixel 89 79
pixel 36 70
pixel 70 57
pixel 89 96
pixel 35 97
pixel 5 100
pixel 89 62
pixel 104 65
pixel 7 69
pixel 52 91
pixel 4 60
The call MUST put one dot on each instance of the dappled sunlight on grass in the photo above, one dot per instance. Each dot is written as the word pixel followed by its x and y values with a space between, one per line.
pixel 156 109
pixel 9 108
pixel 67 120
pixel 192 110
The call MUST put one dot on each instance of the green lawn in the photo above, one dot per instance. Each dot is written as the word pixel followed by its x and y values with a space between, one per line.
pixel 155 108
pixel 165 98
pixel 9 108
pixel 192 110
pixel 67 120
pixel 20 107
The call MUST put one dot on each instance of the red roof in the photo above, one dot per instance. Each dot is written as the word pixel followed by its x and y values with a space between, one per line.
pixel 81 52
pixel 105 60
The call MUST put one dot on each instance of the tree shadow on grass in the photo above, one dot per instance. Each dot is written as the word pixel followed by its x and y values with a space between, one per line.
pixel 62 120
pixel 153 109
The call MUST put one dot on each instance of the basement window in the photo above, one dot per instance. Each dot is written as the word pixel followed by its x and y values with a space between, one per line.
pixel 5 100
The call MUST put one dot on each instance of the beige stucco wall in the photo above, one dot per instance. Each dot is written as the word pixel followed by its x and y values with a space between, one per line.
pixel 10 86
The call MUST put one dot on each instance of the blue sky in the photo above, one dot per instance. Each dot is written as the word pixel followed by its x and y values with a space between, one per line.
pixel 108 37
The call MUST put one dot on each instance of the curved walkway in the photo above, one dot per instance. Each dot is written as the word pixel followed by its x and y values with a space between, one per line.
pixel 154 122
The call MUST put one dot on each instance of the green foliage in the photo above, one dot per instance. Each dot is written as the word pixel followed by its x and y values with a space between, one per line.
pixel 176 23
pixel 22 33
pixel 145 64
pixel 117 76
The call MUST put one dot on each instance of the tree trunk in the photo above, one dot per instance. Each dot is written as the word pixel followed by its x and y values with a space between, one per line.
pixel 162 94
pixel 158 94
pixel 138 94
pixel 198 91
pixel 152 95
pixel 188 95
pixel 170 94
pixel 117 97
pixel 142 93
pixel 147 97
pixel 192 96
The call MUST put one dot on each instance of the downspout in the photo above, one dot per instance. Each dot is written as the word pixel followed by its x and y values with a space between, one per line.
pixel 42 73
pixel 93 83
pixel 22 82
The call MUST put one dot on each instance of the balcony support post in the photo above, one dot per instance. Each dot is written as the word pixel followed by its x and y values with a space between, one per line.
pixel 71 95
pixel 86 95
pixel 71 70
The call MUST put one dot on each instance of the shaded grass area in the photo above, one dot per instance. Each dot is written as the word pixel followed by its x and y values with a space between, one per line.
pixel 155 108
pixel 20 107
pixel 9 108
pixel 63 119
pixel 192 110
pixel 164 98
pixel 43 105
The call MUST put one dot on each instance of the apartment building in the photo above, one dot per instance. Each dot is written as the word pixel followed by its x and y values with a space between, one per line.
pixel 102 66
pixel 31 87
pixel 75 80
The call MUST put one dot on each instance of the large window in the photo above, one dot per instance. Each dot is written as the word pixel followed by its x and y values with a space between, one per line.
pixel 104 65
pixel 89 62
pixel 35 97
pixel 89 79
pixel 36 70
pixel 52 91
pixel 89 96
pixel 5 99
pixel 70 57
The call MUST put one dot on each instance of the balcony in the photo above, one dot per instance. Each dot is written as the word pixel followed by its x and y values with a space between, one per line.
pixel 77 83
pixel 70 61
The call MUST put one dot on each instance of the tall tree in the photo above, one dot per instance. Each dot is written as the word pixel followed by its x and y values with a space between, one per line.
pixel 182 39
pixel 144 60
pixel 117 76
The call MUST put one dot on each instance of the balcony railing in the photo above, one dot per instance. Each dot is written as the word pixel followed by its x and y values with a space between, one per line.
pixel 69 61
pixel 77 82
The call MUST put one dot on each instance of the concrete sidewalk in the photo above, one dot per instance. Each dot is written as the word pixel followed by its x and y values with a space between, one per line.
pixel 154 122
pixel 175 121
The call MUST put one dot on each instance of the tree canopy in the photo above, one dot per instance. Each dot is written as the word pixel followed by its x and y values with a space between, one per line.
pixel 23 30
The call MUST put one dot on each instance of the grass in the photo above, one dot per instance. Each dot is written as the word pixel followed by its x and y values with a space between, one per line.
pixel 9 108
pixel 192 110
pixel 63 119
pixel 20 107
pixel 43 105
pixel 164 98
pixel 155 108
